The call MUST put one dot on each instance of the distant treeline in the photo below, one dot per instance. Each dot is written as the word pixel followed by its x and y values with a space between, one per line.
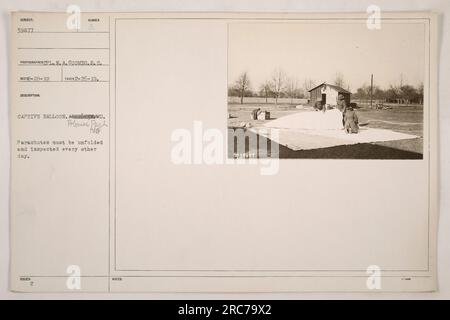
pixel 404 94
pixel 281 86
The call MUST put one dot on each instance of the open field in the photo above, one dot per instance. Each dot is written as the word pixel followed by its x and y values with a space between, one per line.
pixel 401 118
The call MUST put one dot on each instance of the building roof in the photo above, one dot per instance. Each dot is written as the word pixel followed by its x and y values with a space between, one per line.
pixel 337 88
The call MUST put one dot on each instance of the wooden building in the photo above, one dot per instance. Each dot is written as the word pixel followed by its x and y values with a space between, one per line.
pixel 328 94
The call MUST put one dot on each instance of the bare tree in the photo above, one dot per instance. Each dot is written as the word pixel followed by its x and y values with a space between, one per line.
pixel 277 83
pixel 265 89
pixel 292 88
pixel 242 85
pixel 308 84
pixel 339 80
pixel 420 93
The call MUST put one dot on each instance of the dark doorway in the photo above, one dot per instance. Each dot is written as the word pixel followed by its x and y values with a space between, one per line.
pixel 324 98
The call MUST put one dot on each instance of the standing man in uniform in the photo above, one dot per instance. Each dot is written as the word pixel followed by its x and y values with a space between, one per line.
pixel 351 123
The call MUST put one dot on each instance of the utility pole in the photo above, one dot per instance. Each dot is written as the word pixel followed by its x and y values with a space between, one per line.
pixel 371 90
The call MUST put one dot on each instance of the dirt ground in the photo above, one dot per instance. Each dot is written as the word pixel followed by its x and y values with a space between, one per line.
pixel 400 118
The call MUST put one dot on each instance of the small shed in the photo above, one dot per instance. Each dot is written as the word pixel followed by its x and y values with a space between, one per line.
pixel 328 94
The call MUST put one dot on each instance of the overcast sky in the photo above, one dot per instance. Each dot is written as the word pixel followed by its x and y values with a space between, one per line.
pixel 319 50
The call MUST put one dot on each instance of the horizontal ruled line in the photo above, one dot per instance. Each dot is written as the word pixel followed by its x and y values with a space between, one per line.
pixel 63 32
pixel 37 48
pixel 60 65
pixel 63 81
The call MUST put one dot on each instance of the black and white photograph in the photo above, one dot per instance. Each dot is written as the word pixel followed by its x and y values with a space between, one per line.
pixel 334 89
